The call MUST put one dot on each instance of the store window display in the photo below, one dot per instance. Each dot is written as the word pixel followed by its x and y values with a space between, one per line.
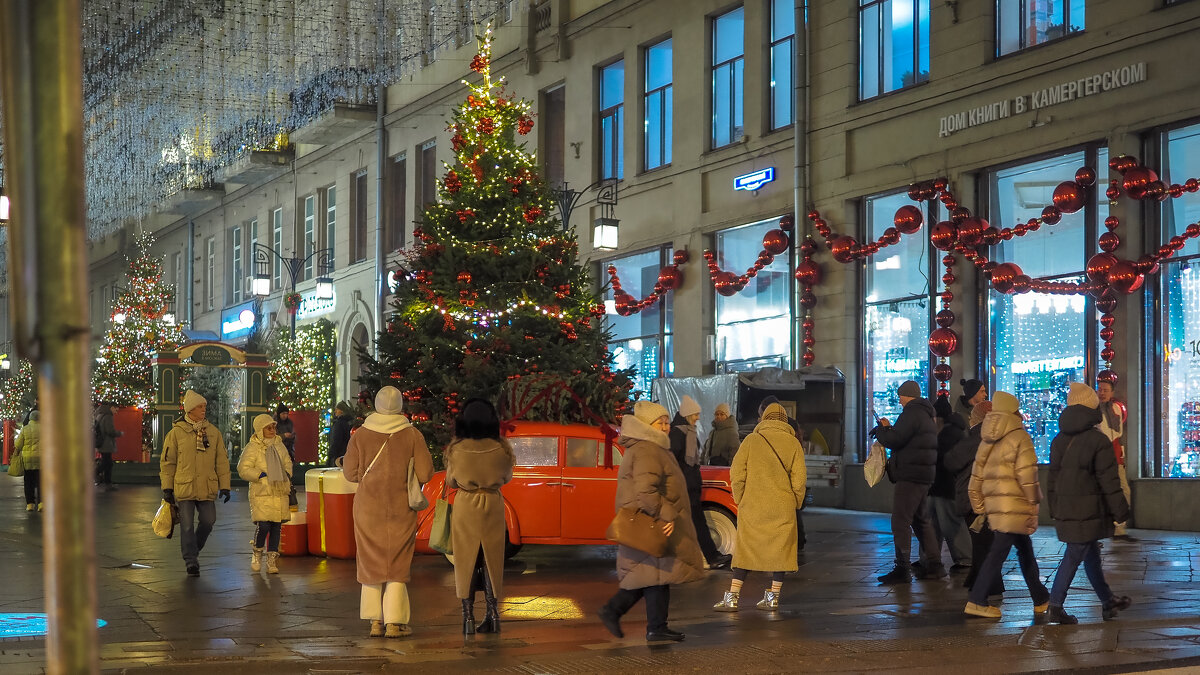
pixel 754 324
pixel 641 340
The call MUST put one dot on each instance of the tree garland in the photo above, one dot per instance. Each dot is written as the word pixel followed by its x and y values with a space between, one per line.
pixel 669 279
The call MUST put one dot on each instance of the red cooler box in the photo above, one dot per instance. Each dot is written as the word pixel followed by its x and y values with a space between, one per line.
pixel 330 513
pixel 293 539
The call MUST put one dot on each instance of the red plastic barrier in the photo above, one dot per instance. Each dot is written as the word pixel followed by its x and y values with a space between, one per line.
pixel 293 537
pixel 10 437
pixel 305 425
pixel 330 500
pixel 129 445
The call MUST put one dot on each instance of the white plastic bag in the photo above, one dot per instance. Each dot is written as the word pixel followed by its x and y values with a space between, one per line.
pixel 876 464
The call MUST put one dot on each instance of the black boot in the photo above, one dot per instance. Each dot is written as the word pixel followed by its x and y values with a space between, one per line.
pixel 468 609
pixel 491 617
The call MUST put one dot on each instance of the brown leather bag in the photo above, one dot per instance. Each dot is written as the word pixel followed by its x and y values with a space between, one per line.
pixel 638 530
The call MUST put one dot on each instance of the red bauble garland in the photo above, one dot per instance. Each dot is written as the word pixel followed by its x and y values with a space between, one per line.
pixel 669 279
pixel 775 242
pixel 809 274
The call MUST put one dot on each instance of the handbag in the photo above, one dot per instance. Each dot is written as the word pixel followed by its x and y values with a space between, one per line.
pixel 16 465
pixel 165 519
pixel 876 464
pixel 416 498
pixel 439 533
pixel 638 530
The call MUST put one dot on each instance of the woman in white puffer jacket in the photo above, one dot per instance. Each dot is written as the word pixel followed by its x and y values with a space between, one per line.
pixel 267 467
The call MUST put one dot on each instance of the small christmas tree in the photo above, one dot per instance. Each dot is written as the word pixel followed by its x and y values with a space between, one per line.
pixel 491 299
pixel 18 392
pixel 141 324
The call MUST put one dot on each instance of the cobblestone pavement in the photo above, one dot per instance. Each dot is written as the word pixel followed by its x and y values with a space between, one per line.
pixel 834 617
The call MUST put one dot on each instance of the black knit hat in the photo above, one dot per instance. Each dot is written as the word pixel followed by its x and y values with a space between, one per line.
pixel 941 407
pixel 281 409
pixel 969 389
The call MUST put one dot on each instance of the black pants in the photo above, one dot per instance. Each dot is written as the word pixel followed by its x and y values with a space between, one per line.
pixel 104 469
pixel 266 534
pixel 800 538
pixel 993 568
pixel 910 515
pixel 658 598
pixel 703 537
pixel 741 574
pixel 981 543
pixel 33 486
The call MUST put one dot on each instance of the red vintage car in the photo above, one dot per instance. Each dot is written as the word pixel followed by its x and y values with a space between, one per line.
pixel 562 494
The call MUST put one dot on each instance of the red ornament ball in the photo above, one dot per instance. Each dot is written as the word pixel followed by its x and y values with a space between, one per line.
pixel 1112 223
pixel 808 247
pixel 1098 266
pixel 1051 215
pixel 670 277
pixel 680 257
pixel 943 342
pixel 1108 354
pixel 1022 283
pixel 808 299
pixel 1085 176
pixel 970 231
pixel 942 372
pixel 957 215
pixel 775 242
pixel 945 318
pixel 1107 375
pixel 908 219
pixel 890 237
pixel 726 283
pixel 787 222
pixel 1114 191
pixel 1122 163
pixel 464 277
pixel 808 273
pixel 1069 196
pixel 1109 242
pixel 1107 303
pixel 1124 278
pixel 809 357
pixel 842 248
pixel 1107 333
pixel 1138 177
pixel 1004 277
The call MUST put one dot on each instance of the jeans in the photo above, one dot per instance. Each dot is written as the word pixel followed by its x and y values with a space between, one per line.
pixel 266 533
pixel 993 567
pixel 658 598
pixel 909 512
pixel 981 543
pixel 948 527
pixel 104 469
pixel 192 536
pixel 1089 554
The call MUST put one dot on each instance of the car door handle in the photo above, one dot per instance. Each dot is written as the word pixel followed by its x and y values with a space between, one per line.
pixel 562 484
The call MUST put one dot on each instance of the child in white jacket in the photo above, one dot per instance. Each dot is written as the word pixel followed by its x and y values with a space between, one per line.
pixel 266 466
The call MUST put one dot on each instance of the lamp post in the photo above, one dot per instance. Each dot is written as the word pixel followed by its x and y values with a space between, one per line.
pixel 604 232
pixel 322 261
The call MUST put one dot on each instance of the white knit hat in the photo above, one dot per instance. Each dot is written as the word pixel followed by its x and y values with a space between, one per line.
pixel 688 407
pixel 1081 394
pixel 262 422
pixel 389 401
pixel 191 399
pixel 722 407
pixel 648 411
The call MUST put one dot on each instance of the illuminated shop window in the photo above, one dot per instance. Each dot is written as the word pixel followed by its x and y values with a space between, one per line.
pixel 753 326
pixel 642 340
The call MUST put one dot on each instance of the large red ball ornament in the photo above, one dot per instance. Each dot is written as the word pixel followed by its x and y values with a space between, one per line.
pixel 1122 163
pixel 808 299
pixel 842 248
pixel 725 283
pixel 943 235
pixel 681 256
pixel 959 214
pixel 1069 196
pixel 1124 278
pixel 1004 276
pixel 1191 185
pixel 1156 189
pixel 775 242
pixel 807 323
pixel 908 219
pixel 1051 215
pixel 1021 283
pixel 670 277
pixel 809 357
pixel 1098 266
pixel 809 340
pixel 943 342
pixel 1107 333
pixel 1108 376
pixel 1109 242
pixel 947 296
pixel 1192 231
pixel 942 372
pixel 1175 191
pixel 1114 191
pixel 808 246
pixel 1107 320
pixel 1107 303
pixel 808 273
pixel 890 237
pixel 787 222
pixel 991 236
pixel 1138 177
pixel 1112 223
pixel 1085 176
pixel 916 191
pixel 1108 354
pixel 949 278
pixel 944 318
pixel 970 231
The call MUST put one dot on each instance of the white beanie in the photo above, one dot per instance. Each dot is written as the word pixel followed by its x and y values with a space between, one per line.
pixel 262 422
pixel 191 399
pixel 688 406
pixel 1081 394
pixel 389 401
pixel 722 407
pixel 648 411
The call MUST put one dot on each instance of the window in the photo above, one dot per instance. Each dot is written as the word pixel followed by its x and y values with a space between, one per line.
pixel 210 273
pixel 277 246
pixel 1177 452
pixel 658 104
pixel 554 132
pixel 897 288
pixel 535 450
pixel 358 206
pixel 612 120
pixel 754 325
pixel 397 187
pixel 428 179
pixel 309 236
pixel 728 76
pixel 893 45
pixel 1025 23
pixel 783 32
pixel 583 452
pixel 236 281
pixel 642 340
pixel 330 223
pixel 1039 342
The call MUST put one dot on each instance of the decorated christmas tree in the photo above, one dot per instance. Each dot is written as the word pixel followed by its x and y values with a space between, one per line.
pixel 18 391
pixel 491 301
pixel 141 324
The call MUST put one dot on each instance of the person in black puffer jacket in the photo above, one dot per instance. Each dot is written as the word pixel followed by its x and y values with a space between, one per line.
pixel 959 462
pixel 947 524
pixel 1084 492
pixel 913 442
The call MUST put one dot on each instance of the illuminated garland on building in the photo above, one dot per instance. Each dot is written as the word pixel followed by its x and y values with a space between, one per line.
pixel 302 374
pixel 775 242
pixel 669 279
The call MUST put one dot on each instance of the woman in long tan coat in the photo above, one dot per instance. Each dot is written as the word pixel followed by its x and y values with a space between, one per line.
pixel 768 479
pixel 651 481
pixel 478 462
pixel 385 527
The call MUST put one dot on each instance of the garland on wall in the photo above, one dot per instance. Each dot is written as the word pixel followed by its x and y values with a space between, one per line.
pixel 774 243
pixel 670 278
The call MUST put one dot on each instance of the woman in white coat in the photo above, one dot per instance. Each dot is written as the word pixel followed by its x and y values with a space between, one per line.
pixel 267 467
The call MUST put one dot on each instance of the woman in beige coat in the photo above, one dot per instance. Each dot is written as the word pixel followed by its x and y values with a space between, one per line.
pixel 768 478
pixel 1004 488
pixel 267 468
pixel 651 481
pixel 385 527
pixel 478 462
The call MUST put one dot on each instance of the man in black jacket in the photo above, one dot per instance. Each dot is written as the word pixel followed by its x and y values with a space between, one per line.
pixel 339 431
pixel 911 466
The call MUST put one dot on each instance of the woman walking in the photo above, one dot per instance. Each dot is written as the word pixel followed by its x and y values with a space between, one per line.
pixel 385 527
pixel 651 481
pixel 478 462
pixel 266 466
pixel 768 477
pixel 29 444
pixel 1004 487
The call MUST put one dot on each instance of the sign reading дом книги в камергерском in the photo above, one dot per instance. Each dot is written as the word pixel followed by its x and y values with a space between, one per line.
pixel 1043 98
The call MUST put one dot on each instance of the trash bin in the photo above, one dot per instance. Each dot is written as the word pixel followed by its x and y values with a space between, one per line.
pixel 293 537
pixel 330 500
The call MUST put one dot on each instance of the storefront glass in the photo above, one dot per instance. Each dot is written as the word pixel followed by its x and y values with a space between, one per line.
pixel 1179 373
pixel 641 340
pixel 754 326
pixel 896 322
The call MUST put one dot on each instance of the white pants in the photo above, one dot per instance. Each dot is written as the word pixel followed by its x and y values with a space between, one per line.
pixel 385 602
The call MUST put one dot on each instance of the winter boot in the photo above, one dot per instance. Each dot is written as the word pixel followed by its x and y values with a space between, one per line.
pixel 272 560
pixel 376 629
pixel 728 603
pixel 769 602
pixel 491 617
pixel 255 557
pixel 898 575
pixel 1114 606
pixel 468 617
pixel 1059 615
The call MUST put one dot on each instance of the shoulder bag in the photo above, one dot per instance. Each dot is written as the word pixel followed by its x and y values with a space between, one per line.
pixel 416 498
pixel 439 533
pixel 638 530
pixel 16 465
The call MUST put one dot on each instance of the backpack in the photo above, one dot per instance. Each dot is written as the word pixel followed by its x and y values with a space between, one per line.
pixel 97 435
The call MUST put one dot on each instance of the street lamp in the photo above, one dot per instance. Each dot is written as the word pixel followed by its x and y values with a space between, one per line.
pixel 3 207
pixel 604 229
pixel 321 259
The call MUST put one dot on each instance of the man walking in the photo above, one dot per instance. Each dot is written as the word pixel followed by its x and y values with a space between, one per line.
pixel 106 443
pixel 194 469
pixel 1112 425
pixel 913 442
pixel 685 445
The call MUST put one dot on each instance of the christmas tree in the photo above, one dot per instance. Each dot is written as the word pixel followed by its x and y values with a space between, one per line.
pixel 141 324
pixel 18 392
pixel 490 301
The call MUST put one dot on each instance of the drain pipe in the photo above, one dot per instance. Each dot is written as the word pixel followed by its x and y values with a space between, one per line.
pixel 801 189
pixel 380 186
pixel 191 271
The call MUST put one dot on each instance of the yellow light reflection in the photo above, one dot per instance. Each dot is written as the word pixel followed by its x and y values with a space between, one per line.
pixel 540 607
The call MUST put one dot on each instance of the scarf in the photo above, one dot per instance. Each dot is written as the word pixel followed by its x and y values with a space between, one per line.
pixel 691 444
pixel 386 424
pixel 275 472
pixel 200 429
pixel 1111 418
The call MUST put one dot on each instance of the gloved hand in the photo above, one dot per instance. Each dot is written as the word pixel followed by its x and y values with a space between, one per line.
pixel 169 496
pixel 224 496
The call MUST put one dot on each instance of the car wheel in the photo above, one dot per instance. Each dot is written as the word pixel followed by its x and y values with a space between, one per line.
pixel 722 525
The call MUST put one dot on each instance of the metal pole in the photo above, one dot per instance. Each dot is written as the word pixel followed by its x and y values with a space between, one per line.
pixel 381 142
pixel 41 67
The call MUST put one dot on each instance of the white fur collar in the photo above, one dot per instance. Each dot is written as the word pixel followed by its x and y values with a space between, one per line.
pixel 632 427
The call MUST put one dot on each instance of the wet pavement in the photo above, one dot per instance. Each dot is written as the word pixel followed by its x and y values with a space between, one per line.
pixel 833 617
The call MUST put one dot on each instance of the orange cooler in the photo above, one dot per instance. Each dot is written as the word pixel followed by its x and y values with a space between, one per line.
pixel 330 501
pixel 293 537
